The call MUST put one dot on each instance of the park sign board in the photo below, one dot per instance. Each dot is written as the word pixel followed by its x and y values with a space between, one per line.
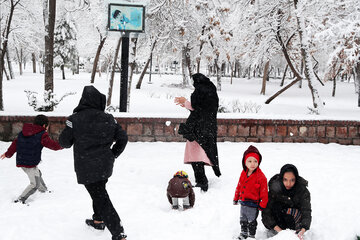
pixel 126 18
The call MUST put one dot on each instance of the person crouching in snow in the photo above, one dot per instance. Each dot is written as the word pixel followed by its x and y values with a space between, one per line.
pixel 180 187
pixel 251 192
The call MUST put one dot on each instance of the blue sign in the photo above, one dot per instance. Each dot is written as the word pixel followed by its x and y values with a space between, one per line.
pixel 126 18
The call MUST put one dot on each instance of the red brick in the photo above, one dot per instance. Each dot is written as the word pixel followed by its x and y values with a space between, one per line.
pixel 299 140
pixel 240 139
pixel 341 132
pixel 232 130
pixel 252 139
pixel 288 140
pixel 303 131
pixel 321 131
pixel 265 139
pixel 353 132
pixel 277 139
pixel 323 140
pixel 132 138
pixel 312 132
pixel 148 129
pixel 261 131
pixel 222 130
pixel 169 130
pixel 293 131
pixel 243 131
pixel 270 131
pixel 253 132
pixel 158 129
pixel 330 132
pixel 17 127
pixel 281 131
pixel 229 139
pixel 356 141
pixel 345 141
pixel 145 139
pixel 134 129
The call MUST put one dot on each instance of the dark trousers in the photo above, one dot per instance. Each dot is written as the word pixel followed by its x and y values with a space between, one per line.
pixel 103 208
pixel 199 172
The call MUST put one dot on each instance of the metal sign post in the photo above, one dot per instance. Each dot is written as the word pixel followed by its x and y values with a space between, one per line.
pixel 125 18
pixel 124 72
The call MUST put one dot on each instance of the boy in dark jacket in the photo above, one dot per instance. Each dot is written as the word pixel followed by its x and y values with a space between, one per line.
pixel 28 146
pixel 289 203
pixel 251 192
pixel 180 187
pixel 93 132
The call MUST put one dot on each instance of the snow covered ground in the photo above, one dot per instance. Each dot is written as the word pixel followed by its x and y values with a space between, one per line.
pixel 138 191
pixel 157 99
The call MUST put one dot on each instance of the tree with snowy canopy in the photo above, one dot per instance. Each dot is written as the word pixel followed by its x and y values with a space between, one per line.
pixel 65 51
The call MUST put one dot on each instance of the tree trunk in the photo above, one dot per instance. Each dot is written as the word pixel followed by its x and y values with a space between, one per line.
pixel 185 76
pixel 96 60
pixel 3 48
pixel 265 77
pixel 138 85
pixel 11 71
pixel 305 51
pixel 6 74
pixel 132 68
pixel 50 13
pixel 357 78
pixel 283 78
pixel 218 74
pixel 188 60
pixel 33 59
pixel 62 67
pixel 111 81
pixel 19 57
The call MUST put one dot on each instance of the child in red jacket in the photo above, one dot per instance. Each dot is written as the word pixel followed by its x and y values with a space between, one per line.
pixel 28 146
pixel 251 192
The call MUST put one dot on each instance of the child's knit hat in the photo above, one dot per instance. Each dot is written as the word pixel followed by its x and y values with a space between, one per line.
pixel 181 174
pixel 251 152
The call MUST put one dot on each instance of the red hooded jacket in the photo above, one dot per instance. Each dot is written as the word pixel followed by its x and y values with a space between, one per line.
pixel 30 130
pixel 252 190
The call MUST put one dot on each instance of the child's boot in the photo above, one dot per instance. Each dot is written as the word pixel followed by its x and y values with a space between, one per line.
pixel 175 203
pixel 252 229
pixel 244 230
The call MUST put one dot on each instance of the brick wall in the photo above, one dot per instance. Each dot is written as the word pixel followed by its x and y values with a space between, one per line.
pixel 233 130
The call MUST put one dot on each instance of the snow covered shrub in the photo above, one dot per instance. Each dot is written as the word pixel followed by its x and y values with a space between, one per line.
pixel 112 108
pixel 47 103
pixel 236 106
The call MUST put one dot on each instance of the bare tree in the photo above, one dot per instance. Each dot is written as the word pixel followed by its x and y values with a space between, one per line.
pixel 111 81
pixel 4 40
pixel 97 56
pixel 49 12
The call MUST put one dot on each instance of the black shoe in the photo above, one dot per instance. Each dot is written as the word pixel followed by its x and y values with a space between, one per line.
pixel 19 201
pixel 175 207
pixel 120 237
pixel 98 226
pixel 203 187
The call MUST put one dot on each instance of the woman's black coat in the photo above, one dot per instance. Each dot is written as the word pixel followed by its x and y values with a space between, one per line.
pixel 281 199
pixel 201 125
pixel 93 132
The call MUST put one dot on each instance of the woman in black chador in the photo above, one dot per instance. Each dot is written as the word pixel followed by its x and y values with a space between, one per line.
pixel 200 129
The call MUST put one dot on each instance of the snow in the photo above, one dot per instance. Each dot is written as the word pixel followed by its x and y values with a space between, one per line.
pixel 138 192
pixel 138 185
pixel 157 99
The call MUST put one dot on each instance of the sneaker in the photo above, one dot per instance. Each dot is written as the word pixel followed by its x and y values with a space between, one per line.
pixel 98 226
pixel 242 236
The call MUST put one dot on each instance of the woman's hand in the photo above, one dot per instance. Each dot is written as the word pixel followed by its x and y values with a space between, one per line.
pixel 180 101
pixel 277 228
pixel 301 234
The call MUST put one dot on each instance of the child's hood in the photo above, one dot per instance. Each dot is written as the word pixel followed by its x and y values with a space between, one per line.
pixel 251 149
pixel 30 129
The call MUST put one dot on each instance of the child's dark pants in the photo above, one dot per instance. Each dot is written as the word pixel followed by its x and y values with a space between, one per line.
pixel 103 208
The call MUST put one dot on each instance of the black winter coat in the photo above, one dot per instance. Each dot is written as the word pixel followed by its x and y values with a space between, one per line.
pixel 92 132
pixel 281 199
pixel 201 125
